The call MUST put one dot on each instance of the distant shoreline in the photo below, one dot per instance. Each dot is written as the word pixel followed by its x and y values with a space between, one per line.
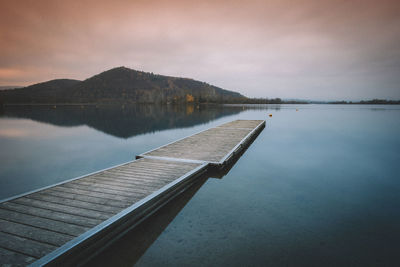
pixel 366 102
pixel 180 104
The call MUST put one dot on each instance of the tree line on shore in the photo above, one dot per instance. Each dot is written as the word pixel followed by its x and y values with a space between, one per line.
pixel 124 85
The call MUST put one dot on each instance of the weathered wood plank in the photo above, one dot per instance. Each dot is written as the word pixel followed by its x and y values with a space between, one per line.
pixel 63 208
pixel 140 176
pixel 138 172
pixel 119 189
pixel 251 124
pixel 143 176
pixel 96 188
pixel 12 258
pixel 34 233
pixel 133 181
pixel 126 182
pixel 166 163
pixel 146 165
pixel 103 195
pixel 89 199
pixel 53 215
pixel 56 226
pixel 75 203
pixel 25 246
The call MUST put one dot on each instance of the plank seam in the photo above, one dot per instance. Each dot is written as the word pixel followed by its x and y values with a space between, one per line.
pixel 142 173
pixel 85 226
pixel 122 176
pixel 19 252
pixel 100 186
pixel 74 206
pixel 34 226
pixel 133 183
pixel 88 192
pixel 146 166
pixel 68 213
pixel 127 192
pixel 54 195
pixel 112 194
pixel 23 237
pixel 30 238
pixel 126 184
pixel 173 159
pixel 222 127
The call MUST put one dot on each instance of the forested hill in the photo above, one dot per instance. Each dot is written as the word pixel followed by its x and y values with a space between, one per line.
pixel 38 93
pixel 121 85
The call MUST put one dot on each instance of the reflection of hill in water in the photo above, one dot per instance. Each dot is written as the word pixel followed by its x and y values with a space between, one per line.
pixel 122 121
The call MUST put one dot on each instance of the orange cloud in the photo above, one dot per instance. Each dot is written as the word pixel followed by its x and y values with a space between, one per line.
pixel 9 73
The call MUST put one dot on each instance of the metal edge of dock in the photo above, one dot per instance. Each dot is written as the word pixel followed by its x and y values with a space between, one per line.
pixel 84 247
pixel 240 146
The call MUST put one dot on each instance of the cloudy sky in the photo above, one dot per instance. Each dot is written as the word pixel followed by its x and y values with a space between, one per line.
pixel 309 49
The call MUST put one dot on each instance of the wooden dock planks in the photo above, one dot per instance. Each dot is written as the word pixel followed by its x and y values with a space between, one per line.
pixel 49 225
pixel 212 145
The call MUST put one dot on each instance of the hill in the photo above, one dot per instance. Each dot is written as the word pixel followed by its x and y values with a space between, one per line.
pixel 121 85
pixel 53 91
pixel 5 87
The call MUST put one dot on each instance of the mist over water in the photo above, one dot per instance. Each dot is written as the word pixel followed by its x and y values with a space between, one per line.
pixel 318 187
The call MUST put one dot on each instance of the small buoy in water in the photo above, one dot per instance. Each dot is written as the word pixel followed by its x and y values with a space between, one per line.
pixel 297 109
pixel 270 115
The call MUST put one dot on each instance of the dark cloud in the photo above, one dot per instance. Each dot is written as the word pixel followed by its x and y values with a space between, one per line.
pixel 305 49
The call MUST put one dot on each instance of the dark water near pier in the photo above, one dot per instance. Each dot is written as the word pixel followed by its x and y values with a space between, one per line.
pixel 318 187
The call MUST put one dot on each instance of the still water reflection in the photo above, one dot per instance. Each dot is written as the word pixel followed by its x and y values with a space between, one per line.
pixel 43 145
pixel 122 121
pixel 318 187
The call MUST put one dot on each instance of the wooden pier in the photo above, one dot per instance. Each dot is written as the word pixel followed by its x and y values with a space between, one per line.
pixel 68 222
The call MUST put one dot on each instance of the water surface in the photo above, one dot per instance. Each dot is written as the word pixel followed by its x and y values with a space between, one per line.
pixel 318 187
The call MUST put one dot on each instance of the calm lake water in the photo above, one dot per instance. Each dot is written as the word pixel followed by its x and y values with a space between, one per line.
pixel 318 187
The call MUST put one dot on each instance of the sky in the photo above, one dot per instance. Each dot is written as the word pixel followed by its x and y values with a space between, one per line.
pixel 303 49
